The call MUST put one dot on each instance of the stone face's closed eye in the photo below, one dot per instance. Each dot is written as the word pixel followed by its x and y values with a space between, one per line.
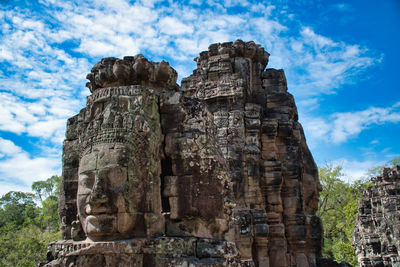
pixel 86 181
pixel 117 177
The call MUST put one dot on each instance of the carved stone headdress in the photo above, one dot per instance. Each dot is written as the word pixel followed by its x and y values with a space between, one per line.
pixel 114 115
pixel 116 110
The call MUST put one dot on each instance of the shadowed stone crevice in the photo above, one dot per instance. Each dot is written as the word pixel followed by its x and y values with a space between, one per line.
pixel 166 170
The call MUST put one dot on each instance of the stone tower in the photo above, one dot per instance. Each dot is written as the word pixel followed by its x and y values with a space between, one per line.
pixel 376 236
pixel 215 172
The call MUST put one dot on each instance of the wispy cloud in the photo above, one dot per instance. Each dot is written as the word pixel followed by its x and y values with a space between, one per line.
pixel 342 6
pixel 173 26
pixel 374 142
pixel 44 118
pixel 340 127
pixel 178 32
pixel 8 148
pixel 46 51
pixel 7 187
pixel 321 65
pixel 355 169
pixel 12 157
pixel 349 124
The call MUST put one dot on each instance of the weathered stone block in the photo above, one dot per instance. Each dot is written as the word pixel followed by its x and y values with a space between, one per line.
pixel 376 230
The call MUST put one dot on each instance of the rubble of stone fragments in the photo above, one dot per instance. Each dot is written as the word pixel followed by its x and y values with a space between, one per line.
pixel 377 228
pixel 215 172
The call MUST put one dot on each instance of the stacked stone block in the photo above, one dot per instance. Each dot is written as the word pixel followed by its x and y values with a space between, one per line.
pixel 376 237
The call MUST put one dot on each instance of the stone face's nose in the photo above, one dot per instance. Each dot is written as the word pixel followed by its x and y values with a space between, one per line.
pixel 99 191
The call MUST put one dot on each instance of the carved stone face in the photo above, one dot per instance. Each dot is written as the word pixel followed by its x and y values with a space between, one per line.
pixel 109 194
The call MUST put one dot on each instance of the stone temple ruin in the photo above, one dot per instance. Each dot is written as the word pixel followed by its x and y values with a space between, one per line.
pixel 215 172
pixel 377 228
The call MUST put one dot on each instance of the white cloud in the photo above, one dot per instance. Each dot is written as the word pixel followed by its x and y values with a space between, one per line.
pixel 7 187
pixel 317 41
pixel 345 125
pixel 318 65
pixel 231 3
pixel 354 169
pixel 17 167
pixel 374 142
pixel 45 55
pixel 13 114
pixel 315 129
pixel 44 68
pixel 45 118
pixel 46 128
pixel 342 6
pixel 268 27
pixel 5 53
pixel 348 124
pixel 190 46
pixel 98 48
pixel 169 25
pixel 8 148
pixel 195 2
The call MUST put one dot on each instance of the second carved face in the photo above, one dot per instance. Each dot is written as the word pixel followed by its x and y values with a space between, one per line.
pixel 110 194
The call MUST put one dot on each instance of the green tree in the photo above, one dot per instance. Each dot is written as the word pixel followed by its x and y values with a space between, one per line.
pixel 329 178
pixel 17 209
pixel 47 188
pixel 375 171
pixel 338 210
pixel 25 247
pixel 47 192
pixel 26 226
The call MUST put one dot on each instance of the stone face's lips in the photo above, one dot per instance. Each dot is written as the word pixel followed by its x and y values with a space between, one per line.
pixel 100 225
pixel 100 217
pixel 91 210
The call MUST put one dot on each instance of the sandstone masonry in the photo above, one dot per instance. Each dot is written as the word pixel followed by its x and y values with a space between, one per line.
pixel 215 172
pixel 377 228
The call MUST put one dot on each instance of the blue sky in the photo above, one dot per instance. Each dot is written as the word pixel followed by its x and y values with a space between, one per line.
pixel 340 59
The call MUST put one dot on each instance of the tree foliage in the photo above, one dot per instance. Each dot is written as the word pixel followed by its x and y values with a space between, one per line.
pixel 47 192
pixel 28 223
pixel 24 247
pixel 338 211
pixel 375 171
pixel 17 209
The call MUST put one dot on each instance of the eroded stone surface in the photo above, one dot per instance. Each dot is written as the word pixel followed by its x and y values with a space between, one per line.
pixel 220 160
pixel 377 228
pixel 161 251
pixel 137 70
